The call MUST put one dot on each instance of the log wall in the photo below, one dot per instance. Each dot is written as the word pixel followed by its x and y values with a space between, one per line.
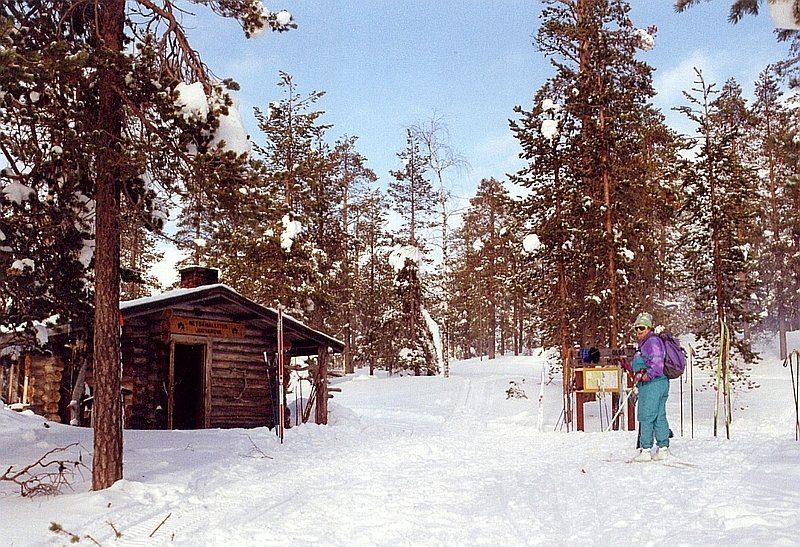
pixel 240 395
pixel 145 372
pixel 45 386
pixel 240 392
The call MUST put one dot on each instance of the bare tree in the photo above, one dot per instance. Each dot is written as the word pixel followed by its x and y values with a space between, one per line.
pixel 434 137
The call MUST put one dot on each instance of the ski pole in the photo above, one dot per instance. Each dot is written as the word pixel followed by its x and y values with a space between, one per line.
pixel 795 385
pixel 718 375
pixel 621 407
pixel 796 380
pixel 272 394
pixel 681 386
pixel 558 422
pixel 691 388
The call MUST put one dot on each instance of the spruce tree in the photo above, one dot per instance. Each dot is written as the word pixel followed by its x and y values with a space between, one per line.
pixel 413 199
pixel 373 282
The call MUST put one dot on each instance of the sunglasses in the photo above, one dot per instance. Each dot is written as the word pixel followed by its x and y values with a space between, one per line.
pixel 641 328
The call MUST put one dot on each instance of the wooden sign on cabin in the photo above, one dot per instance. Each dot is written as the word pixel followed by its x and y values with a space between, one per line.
pixel 196 326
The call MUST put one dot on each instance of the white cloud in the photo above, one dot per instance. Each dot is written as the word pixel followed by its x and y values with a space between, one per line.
pixel 500 155
pixel 166 270
pixel 670 83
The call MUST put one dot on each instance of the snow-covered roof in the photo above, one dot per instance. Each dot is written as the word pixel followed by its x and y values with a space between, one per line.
pixel 304 338
pixel 167 295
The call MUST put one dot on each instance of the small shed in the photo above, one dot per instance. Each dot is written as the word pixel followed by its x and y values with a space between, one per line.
pixel 201 356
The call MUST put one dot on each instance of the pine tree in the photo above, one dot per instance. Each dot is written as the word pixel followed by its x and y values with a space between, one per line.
pixel 739 8
pixel 354 179
pixel 790 233
pixel 769 136
pixel 780 190
pixel 291 128
pixel 485 265
pixel 595 167
pixel 546 215
pixel 412 195
pixel 264 234
pixel 138 254
pixel 719 212
pixel 92 101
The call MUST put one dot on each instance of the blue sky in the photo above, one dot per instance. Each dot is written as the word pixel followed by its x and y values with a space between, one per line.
pixel 387 64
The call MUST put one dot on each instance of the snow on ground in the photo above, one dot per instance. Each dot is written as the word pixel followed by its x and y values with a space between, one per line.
pixel 432 461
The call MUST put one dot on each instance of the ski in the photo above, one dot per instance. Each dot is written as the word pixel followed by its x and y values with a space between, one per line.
pixel 676 463
pixel 723 380
pixel 667 463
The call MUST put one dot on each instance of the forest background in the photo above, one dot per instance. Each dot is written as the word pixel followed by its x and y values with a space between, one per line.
pixel 618 211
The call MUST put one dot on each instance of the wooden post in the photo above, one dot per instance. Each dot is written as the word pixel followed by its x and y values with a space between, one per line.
pixel 321 416
pixel 171 392
pixel 78 355
pixel 614 408
pixel 580 397
pixel 26 379
pixel 631 406
pixel 579 400
pixel 13 380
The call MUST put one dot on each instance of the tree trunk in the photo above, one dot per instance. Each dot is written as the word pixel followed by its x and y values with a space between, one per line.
pixel 445 274
pixel 780 283
pixel 347 270
pixel 613 311
pixel 491 330
pixel 107 463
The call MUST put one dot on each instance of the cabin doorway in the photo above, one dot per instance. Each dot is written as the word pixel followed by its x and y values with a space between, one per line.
pixel 189 387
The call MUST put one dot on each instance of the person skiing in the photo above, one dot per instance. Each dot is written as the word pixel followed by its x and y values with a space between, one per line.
pixel 653 386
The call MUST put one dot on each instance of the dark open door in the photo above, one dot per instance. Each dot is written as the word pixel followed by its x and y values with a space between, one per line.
pixel 188 386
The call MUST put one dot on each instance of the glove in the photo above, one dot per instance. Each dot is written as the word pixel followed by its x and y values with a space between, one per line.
pixel 641 376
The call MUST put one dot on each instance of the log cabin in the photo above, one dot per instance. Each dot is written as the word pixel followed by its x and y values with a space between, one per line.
pixel 200 356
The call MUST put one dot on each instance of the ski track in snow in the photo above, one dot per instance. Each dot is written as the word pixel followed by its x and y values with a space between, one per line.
pixel 430 461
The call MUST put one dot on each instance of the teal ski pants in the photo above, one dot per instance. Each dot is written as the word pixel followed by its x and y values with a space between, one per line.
pixel 652 413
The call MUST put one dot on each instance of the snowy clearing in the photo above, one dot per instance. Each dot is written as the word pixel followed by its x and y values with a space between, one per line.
pixel 431 461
